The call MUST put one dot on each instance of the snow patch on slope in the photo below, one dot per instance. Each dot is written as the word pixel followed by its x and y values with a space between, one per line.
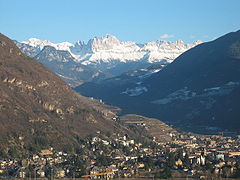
pixel 135 91
pixel 148 74
pixel 185 94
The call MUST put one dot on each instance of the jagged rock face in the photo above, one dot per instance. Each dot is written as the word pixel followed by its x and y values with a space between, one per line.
pixel 198 91
pixel 35 103
pixel 108 54
pixel 52 54
pixel 108 48
pixel 104 43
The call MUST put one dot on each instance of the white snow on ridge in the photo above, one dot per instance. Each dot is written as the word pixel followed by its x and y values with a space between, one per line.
pixel 149 74
pixel 37 43
pixel 166 50
pixel 108 48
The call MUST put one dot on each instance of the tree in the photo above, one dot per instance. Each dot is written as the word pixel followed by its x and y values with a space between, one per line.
pixel 148 163
pixel 226 171
pixel 102 160
pixel 186 161
pixel 126 150
pixel 68 148
pixel 33 148
pixel 108 134
pixel 3 154
pixel 164 173
pixel 170 159
pixel 12 152
pixel 237 172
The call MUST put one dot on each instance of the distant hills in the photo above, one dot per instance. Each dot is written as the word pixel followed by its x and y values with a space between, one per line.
pixel 199 91
pixel 100 58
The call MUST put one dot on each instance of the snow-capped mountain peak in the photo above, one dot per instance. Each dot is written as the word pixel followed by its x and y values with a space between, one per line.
pixel 103 43
pixel 34 42
pixel 37 43
pixel 166 50
pixel 107 52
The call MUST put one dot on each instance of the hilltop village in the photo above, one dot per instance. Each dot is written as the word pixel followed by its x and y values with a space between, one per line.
pixel 109 156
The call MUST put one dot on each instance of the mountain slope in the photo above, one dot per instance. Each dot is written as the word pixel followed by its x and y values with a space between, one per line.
pixel 38 109
pixel 129 83
pixel 198 91
pixel 63 64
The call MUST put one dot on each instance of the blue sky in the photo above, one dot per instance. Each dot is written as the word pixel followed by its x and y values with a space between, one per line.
pixel 129 20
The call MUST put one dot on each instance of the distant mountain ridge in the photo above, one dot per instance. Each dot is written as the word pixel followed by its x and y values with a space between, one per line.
pixel 200 90
pixel 108 48
pixel 106 54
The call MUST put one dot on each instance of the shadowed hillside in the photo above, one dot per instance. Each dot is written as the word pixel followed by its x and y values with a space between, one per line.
pixel 38 109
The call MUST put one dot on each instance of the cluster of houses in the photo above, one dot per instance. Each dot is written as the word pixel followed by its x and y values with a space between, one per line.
pixel 119 156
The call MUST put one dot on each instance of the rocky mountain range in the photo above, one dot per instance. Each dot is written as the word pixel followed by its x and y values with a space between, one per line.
pixel 199 91
pixel 101 58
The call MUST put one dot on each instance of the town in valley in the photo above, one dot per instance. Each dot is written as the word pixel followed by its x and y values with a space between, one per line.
pixel 105 155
